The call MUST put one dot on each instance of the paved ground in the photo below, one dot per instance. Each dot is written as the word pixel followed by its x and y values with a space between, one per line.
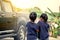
pixel 51 38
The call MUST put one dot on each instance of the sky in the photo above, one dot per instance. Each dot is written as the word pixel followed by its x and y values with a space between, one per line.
pixel 42 4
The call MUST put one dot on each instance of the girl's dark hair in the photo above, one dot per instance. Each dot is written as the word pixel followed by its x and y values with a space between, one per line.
pixel 44 16
pixel 32 16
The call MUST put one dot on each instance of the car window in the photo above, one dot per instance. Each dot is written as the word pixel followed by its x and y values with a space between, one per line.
pixel 6 6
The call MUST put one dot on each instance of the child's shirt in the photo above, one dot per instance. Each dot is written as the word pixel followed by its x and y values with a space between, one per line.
pixel 43 28
pixel 31 31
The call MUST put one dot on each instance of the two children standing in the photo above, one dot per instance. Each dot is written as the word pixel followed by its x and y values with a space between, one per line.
pixel 41 27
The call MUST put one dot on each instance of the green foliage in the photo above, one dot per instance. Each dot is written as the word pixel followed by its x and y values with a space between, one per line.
pixel 51 12
pixel 55 17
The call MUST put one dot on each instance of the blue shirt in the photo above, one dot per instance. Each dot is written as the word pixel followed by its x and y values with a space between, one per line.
pixel 43 28
pixel 31 31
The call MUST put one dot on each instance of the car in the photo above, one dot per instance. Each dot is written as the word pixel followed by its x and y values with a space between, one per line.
pixel 12 26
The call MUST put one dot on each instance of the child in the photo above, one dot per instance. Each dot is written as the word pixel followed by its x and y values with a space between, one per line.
pixel 32 27
pixel 43 27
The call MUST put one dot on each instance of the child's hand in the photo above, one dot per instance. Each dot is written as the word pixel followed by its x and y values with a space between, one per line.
pixel 37 30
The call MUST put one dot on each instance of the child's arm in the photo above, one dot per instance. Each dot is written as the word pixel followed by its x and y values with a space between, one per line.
pixel 38 34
